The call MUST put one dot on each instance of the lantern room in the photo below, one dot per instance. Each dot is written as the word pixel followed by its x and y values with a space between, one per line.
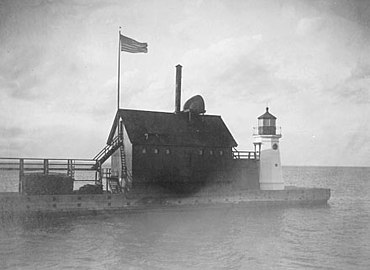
pixel 267 124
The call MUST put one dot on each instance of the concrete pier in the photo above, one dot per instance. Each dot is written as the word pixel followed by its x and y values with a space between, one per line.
pixel 16 204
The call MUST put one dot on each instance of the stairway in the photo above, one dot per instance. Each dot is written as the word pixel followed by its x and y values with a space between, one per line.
pixel 107 151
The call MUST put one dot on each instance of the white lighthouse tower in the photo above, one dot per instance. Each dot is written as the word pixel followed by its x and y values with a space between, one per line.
pixel 266 142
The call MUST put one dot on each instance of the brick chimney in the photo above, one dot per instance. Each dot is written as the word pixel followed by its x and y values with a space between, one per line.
pixel 178 89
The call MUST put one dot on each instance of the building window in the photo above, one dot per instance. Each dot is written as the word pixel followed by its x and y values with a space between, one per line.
pixel 200 152
pixel 211 152
pixel 168 151
pixel 155 151
pixel 143 150
pixel 221 153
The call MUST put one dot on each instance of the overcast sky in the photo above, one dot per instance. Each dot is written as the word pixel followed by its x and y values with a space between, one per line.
pixel 308 60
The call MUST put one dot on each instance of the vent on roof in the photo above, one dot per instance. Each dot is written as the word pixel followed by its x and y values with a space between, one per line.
pixel 195 105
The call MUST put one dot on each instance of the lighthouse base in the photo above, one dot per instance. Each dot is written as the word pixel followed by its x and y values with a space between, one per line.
pixel 272 186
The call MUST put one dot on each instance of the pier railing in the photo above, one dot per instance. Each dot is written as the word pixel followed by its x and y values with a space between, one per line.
pixel 46 166
pixel 245 155
pixel 49 166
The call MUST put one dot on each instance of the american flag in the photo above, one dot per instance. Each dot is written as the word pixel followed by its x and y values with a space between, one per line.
pixel 133 46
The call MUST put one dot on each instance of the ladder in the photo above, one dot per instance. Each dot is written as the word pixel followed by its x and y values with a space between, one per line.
pixel 126 176
pixel 105 153
pixel 123 159
pixel 113 182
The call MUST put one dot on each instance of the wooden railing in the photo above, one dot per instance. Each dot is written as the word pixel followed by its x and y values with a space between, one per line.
pixel 48 166
pixel 69 166
pixel 245 155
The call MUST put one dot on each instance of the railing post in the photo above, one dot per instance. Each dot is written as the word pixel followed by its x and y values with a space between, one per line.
pixel 99 172
pixel 21 174
pixel 106 179
pixel 46 166
pixel 69 167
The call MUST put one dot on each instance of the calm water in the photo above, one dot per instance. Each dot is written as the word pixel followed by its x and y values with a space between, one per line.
pixel 335 236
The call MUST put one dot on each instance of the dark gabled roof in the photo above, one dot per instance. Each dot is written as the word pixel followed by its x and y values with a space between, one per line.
pixel 161 128
pixel 267 115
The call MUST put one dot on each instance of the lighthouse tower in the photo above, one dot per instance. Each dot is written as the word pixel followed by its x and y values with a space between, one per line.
pixel 266 142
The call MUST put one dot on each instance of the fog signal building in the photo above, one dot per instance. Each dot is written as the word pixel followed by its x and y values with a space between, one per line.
pixel 182 151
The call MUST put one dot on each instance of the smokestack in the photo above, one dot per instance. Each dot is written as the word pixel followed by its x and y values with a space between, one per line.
pixel 178 89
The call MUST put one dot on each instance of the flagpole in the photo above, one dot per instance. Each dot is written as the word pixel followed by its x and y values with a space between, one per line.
pixel 119 66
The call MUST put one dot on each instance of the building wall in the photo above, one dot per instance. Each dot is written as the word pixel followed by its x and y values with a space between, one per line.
pixel 184 170
pixel 116 164
pixel 245 174
pixel 168 163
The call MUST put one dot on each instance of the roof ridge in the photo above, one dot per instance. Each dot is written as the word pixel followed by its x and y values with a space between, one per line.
pixel 146 111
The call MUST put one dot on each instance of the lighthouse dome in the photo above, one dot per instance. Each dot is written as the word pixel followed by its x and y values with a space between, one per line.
pixel 267 115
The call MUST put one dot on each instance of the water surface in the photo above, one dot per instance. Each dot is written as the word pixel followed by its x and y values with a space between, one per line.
pixel 333 236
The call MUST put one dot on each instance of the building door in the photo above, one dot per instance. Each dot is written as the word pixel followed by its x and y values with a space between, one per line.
pixel 188 162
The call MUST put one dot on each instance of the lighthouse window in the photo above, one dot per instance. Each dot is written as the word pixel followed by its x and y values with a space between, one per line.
pixel 266 122
pixel 155 151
